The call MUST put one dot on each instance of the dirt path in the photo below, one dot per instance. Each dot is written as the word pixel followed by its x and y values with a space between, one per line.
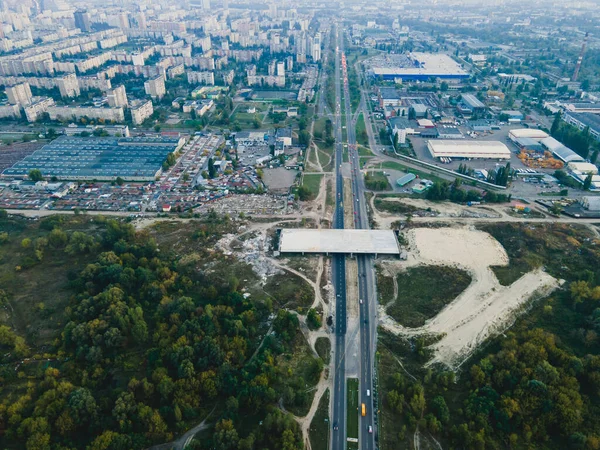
pixel 314 149
pixel 186 438
pixel 318 298
pixel 304 422
pixel 485 308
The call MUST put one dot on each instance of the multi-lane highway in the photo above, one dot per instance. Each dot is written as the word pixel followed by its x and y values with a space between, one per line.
pixel 338 440
pixel 366 281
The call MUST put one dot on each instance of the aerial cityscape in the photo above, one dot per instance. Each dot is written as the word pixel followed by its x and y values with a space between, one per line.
pixel 299 225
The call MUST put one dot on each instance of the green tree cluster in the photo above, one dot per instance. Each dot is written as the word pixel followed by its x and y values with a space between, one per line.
pixel 150 344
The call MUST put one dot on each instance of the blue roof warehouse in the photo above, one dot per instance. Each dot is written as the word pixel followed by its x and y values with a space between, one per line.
pixel 99 158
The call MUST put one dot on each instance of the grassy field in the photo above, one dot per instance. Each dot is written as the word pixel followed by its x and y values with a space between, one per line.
pixel 38 286
pixel 326 157
pixel 289 290
pixel 304 367
pixel 323 348
pixel 394 207
pixel 424 291
pixel 377 181
pixel 312 182
pixel 535 245
pixel 361 131
pixel 329 200
pixel 319 127
pixel 320 427
pixel 313 155
pixel 364 151
pixel 385 287
pixel 353 407
pixel 364 159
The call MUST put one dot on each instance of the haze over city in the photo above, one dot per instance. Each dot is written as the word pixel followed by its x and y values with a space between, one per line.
pixel 299 225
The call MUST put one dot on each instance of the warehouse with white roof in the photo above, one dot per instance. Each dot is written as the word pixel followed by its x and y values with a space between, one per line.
pixel 468 149
pixel 531 133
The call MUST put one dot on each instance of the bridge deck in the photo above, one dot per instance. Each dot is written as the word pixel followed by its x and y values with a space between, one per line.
pixel 306 240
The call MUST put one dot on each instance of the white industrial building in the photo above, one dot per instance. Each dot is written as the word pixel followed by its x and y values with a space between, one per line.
pixel 583 167
pixel 591 203
pixel 468 149
pixel 530 133
pixel 417 67
pixel 562 152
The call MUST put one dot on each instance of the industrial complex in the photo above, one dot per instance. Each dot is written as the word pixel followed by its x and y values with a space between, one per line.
pixel 416 67
pixel 468 149
pixel 99 158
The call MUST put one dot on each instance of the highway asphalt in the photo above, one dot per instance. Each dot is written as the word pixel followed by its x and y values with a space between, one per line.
pixel 338 441
pixel 366 281
pixel 366 285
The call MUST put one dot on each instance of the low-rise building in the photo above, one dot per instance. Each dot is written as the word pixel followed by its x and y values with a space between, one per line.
pixel 468 149
pixel 284 135
pixel 583 121
pixel 469 104
pixel 251 138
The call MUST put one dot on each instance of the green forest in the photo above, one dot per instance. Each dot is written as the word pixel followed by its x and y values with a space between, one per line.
pixel 535 386
pixel 130 339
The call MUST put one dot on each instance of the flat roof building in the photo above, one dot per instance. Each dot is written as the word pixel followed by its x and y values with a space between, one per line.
pixel 583 167
pixel 591 203
pixel 405 179
pixel 584 120
pixel 561 151
pixel 472 102
pixel 468 149
pixel 417 67
pixel 533 133
pixel 99 158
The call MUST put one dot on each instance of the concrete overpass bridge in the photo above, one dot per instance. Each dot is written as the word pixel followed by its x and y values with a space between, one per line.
pixel 339 241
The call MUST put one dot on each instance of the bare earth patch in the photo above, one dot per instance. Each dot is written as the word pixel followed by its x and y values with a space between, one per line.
pixel 485 308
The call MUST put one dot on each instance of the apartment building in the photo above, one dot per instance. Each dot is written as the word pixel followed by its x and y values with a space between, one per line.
pixel 68 86
pixel 91 112
pixel 117 97
pixel 155 87
pixel 38 106
pixel 19 94
pixel 140 111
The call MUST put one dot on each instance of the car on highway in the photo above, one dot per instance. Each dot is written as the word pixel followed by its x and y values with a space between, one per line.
pixel 360 301
pixel 335 426
pixel 370 429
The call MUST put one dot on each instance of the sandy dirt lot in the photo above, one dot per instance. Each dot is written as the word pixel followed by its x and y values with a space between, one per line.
pixel 279 179
pixel 485 308
pixel 448 209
